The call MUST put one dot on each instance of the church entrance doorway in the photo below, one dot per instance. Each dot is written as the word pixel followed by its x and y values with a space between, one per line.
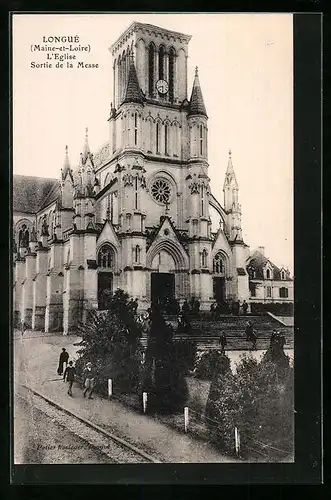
pixel 219 290
pixel 162 288
pixel 105 286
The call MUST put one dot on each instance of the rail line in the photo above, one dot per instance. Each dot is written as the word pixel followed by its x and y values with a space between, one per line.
pixel 117 449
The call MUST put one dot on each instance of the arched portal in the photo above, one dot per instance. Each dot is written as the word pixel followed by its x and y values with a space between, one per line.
pixel 106 266
pixel 220 273
pixel 169 265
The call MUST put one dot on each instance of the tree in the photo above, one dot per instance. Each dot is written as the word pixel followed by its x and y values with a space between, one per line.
pixel 258 399
pixel 163 377
pixel 110 340
pixel 207 364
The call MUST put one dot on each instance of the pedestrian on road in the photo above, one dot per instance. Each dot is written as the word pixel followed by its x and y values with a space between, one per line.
pixel 69 375
pixel 22 328
pixel 64 356
pixel 223 342
pixel 89 383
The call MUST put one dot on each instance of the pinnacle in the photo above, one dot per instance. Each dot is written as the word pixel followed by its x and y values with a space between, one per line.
pixel 197 105
pixel 66 164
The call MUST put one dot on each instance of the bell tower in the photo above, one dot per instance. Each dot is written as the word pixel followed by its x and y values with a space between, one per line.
pixel 161 57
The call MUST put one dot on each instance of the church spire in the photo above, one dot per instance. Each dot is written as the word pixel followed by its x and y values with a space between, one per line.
pixel 197 105
pixel 66 165
pixel 230 176
pixel 133 92
pixel 86 149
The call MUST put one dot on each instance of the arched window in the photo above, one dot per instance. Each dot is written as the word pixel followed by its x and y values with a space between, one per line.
pixel 218 264
pixel 136 192
pixel 171 73
pixel 268 291
pixel 135 129
pixel 201 140
pixel 151 69
pixel 137 254
pixel 283 292
pixel 166 139
pixel 157 137
pixel 202 191
pixel 161 63
pixel 106 256
pixel 282 275
pixel 268 274
pixel 204 258
pixel 23 237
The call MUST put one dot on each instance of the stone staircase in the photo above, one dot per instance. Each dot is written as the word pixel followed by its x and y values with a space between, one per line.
pixel 206 330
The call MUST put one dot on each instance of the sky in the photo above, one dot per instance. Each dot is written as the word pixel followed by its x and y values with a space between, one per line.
pixel 245 66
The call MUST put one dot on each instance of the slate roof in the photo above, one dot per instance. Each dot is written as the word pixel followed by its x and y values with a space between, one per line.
pixel 133 92
pixel 197 105
pixel 31 194
pixel 257 263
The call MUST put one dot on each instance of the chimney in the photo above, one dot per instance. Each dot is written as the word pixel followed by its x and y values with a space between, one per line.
pixel 261 250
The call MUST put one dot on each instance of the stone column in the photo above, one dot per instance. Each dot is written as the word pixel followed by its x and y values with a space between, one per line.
pixel 39 290
pixel 54 300
pixel 30 269
pixel 19 277
pixel 90 278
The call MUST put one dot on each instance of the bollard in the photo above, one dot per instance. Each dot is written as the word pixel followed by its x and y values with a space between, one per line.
pixel 110 387
pixel 186 418
pixel 237 440
pixel 144 401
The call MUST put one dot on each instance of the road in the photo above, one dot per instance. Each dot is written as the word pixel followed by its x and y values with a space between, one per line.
pixel 32 425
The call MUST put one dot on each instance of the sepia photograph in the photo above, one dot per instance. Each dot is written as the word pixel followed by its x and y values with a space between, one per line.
pixel 152 217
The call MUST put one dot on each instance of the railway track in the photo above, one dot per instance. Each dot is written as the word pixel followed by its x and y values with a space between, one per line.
pixel 117 449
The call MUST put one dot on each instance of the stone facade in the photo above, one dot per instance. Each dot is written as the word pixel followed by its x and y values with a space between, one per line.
pixel 136 212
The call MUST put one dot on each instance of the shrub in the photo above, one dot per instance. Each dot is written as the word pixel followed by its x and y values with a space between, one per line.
pixel 110 340
pixel 258 399
pixel 163 376
pixel 207 364
pixel 185 352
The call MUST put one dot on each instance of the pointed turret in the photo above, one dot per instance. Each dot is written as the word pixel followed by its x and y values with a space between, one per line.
pixel 133 92
pixel 197 105
pixel 86 150
pixel 66 165
pixel 230 176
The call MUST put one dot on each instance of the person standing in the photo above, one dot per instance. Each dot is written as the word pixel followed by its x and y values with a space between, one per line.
pixel 69 375
pixel 222 342
pixel 245 307
pixel 64 356
pixel 249 330
pixel 89 383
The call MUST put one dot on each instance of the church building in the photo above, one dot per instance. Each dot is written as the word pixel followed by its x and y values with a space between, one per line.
pixel 135 215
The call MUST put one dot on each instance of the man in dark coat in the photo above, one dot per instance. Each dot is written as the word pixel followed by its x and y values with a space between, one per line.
pixel 64 356
pixel 245 307
pixel 69 375
pixel 249 330
pixel 223 342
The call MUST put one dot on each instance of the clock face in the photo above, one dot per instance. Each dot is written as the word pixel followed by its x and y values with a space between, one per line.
pixel 162 86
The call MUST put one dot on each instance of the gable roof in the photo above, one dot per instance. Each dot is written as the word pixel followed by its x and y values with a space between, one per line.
pixel 258 261
pixel 31 194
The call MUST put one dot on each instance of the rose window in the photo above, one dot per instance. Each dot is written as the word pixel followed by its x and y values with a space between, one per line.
pixel 161 191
